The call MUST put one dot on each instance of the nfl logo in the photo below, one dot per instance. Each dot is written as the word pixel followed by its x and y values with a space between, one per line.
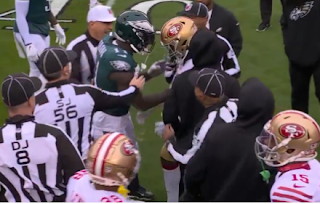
pixel 188 7
pixel 110 12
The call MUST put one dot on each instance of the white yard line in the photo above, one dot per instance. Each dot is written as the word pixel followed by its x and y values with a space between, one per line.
pixel 110 3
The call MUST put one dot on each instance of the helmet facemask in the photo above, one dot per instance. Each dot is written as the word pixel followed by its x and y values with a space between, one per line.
pixel 175 54
pixel 277 154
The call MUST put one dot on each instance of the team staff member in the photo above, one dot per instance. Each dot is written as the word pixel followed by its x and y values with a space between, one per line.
pixel 300 20
pixel 99 21
pixel 199 14
pixel 225 168
pixel 36 160
pixel 71 106
pixel 224 23
pixel 209 90
pixel 182 96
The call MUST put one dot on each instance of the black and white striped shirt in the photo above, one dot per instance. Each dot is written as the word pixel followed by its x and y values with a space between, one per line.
pixel 83 66
pixel 71 107
pixel 227 113
pixel 36 161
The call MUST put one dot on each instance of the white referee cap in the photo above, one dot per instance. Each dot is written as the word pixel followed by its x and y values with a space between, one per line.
pixel 100 13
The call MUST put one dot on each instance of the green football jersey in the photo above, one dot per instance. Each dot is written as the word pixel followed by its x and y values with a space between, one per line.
pixel 112 58
pixel 37 17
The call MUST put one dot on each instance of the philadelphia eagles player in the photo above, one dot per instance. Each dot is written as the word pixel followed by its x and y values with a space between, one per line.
pixel 115 68
pixel 31 30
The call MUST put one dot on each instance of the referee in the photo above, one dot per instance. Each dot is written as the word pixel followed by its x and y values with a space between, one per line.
pixel 71 106
pixel 36 160
pixel 99 20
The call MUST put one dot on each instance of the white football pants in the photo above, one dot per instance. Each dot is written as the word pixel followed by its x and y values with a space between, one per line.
pixel 41 43
pixel 103 123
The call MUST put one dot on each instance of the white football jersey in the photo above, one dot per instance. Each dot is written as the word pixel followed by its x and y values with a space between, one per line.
pixel 80 189
pixel 300 184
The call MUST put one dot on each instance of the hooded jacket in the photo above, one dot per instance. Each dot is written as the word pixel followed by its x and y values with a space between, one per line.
pixel 211 58
pixel 225 168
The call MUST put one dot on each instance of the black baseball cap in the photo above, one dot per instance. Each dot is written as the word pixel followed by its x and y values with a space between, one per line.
pixel 210 81
pixel 19 88
pixel 53 59
pixel 194 9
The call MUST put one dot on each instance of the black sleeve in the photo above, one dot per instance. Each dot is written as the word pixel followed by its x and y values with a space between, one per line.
pixel 234 35
pixel 105 99
pixel 170 112
pixel 68 155
pixel 197 168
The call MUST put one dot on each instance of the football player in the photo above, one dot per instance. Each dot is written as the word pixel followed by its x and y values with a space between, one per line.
pixel 108 172
pixel 115 68
pixel 31 30
pixel 289 142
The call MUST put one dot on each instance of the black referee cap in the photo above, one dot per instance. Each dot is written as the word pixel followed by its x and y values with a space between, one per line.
pixel 210 81
pixel 19 88
pixel 194 9
pixel 54 59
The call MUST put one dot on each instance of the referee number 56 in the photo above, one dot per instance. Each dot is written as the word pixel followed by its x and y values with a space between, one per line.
pixel 65 110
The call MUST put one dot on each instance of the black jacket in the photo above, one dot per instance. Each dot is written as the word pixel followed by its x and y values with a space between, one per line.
pixel 225 168
pixel 211 58
pixel 224 23
pixel 301 31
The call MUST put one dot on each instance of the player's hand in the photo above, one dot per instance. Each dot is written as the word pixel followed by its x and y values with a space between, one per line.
pixel 61 36
pixel 32 52
pixel 159 128
pixel 143 115
pixel 156 68
pixel 168 132
pixel 138 82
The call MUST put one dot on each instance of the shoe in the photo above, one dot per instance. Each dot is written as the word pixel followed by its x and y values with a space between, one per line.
pixel 263 27
pixel 141 194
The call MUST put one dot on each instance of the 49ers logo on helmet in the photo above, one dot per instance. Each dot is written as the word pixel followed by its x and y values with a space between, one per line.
pixel 174 30
pixel 128 148
pixel 292 130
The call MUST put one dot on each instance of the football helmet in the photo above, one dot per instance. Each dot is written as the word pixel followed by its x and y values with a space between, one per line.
pixel 135 28
pixel 113 160
pixel 290 136
pixel 176 35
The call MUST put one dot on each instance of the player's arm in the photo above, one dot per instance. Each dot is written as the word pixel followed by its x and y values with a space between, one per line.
pixel 231 62
pixel 22 8
pixel 235 36
pixel 68 155
pixel 53 21
pixel 105 99
pixel 140 102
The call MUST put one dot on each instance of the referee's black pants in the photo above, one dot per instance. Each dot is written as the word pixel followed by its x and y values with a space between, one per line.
pixel 265 11
pixel 300 77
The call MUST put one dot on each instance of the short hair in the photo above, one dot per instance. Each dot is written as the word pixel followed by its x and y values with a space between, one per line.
pixel 52 76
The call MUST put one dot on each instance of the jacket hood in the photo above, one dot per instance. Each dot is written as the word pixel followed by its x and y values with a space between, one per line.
pixel 256 104
pixel 205 49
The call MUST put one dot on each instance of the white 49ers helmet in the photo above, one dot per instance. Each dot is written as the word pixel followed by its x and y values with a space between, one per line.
pixel 291 136
pixel 113 160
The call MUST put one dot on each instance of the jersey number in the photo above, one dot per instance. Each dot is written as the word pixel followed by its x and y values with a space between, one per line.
pixel 22 154
pixel 48 8
pixel 65 110
pixel 300 177
pixel 111 199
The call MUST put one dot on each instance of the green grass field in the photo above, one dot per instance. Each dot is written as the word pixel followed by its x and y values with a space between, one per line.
pixel 262 56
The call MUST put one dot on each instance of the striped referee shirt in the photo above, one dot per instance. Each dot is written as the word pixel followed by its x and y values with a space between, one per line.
pixel 71 107
pixel 83 66
pixel 36 161
pixel 226 113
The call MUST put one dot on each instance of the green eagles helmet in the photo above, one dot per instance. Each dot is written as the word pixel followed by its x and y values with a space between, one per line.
pixel 134 27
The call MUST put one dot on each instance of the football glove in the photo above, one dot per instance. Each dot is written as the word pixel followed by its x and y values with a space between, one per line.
pixel 142 116
pixel 159 128
pixel 32 52
pixel 94 3
pixel 61 36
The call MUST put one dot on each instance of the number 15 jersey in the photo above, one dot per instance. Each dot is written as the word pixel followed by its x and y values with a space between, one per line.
pixel 299 182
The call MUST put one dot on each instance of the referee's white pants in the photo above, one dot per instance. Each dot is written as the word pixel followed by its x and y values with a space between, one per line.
pixel 103 123
pixel 41 42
